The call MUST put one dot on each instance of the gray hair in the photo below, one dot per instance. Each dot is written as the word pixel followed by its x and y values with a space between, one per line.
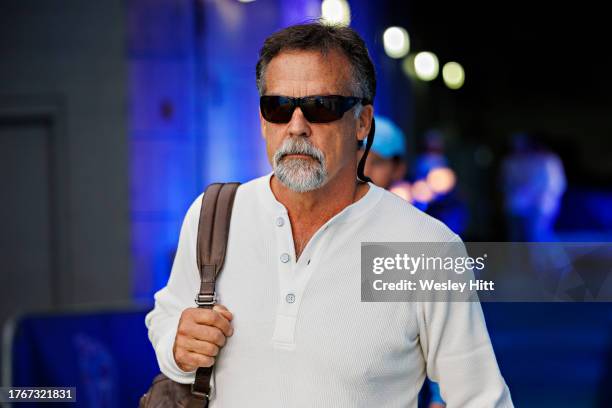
pixel 324 38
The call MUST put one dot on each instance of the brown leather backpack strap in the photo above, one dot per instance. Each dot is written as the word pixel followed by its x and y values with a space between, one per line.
pixel 204 243
pixel 213 233
pixel 223 213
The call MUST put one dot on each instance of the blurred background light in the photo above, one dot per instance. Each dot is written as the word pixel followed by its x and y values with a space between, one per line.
pixel 441 180
pixel 402 189
pixel 408 66
pixel 453 75
pixel 421 192
pixel 426 66
pixel 246 1
pixel 336 12
pixel 396 42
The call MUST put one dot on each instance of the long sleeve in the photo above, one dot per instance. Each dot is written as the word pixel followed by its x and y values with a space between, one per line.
pixel 176 296
pixel 458 352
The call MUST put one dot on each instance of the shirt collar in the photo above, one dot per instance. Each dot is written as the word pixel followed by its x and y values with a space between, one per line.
pixel 349 213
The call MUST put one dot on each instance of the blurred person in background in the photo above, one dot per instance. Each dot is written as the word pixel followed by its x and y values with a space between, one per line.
pixel 432 155
pixel 386 165
pixel 533 182
pixel 432 166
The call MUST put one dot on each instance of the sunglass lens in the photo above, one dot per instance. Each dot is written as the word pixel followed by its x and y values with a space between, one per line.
pixel 276 109
pixel 322 109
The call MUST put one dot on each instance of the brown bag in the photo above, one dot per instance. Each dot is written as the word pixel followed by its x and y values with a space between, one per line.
pixel 213 231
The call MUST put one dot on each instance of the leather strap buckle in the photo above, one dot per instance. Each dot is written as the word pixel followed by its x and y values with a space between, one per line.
pixel 206 300
pixel 199 393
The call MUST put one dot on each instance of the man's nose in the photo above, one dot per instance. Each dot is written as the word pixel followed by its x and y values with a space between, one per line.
pixel 298 125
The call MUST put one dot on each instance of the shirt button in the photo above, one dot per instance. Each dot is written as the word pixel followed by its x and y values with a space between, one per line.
pixel 285 258
pixel 280 222
pixel 290 298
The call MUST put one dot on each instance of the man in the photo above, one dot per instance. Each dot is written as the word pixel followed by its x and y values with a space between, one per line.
pixel 533 182
pixel 292 331
pixel 386 163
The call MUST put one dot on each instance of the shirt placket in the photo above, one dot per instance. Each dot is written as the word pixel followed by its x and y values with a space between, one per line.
pixel 293 278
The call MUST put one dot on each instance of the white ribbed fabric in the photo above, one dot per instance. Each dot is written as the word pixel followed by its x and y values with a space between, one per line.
pixel 302 337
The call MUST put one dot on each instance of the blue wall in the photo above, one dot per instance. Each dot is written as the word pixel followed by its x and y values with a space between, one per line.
pixel 194 108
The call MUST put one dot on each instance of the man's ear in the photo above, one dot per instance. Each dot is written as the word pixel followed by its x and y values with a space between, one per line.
pixel 262 123
pixel 364 121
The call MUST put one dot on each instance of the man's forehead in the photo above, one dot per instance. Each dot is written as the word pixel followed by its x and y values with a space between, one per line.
pixel 308 71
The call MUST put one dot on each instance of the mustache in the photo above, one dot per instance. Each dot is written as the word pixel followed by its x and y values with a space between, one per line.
pixel 298 146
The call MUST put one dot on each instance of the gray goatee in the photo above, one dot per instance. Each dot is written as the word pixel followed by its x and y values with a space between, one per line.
pixel 300 174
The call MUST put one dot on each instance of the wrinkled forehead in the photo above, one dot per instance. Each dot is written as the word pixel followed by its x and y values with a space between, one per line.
pixel 302 73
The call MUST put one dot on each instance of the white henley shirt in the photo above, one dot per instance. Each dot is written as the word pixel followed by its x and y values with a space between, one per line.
pixel 302 337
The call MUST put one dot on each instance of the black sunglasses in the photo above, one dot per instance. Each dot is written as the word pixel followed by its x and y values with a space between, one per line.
pixel 316 109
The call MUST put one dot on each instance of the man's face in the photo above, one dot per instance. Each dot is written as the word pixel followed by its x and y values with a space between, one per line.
pixel 383 172
pixel 325 149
